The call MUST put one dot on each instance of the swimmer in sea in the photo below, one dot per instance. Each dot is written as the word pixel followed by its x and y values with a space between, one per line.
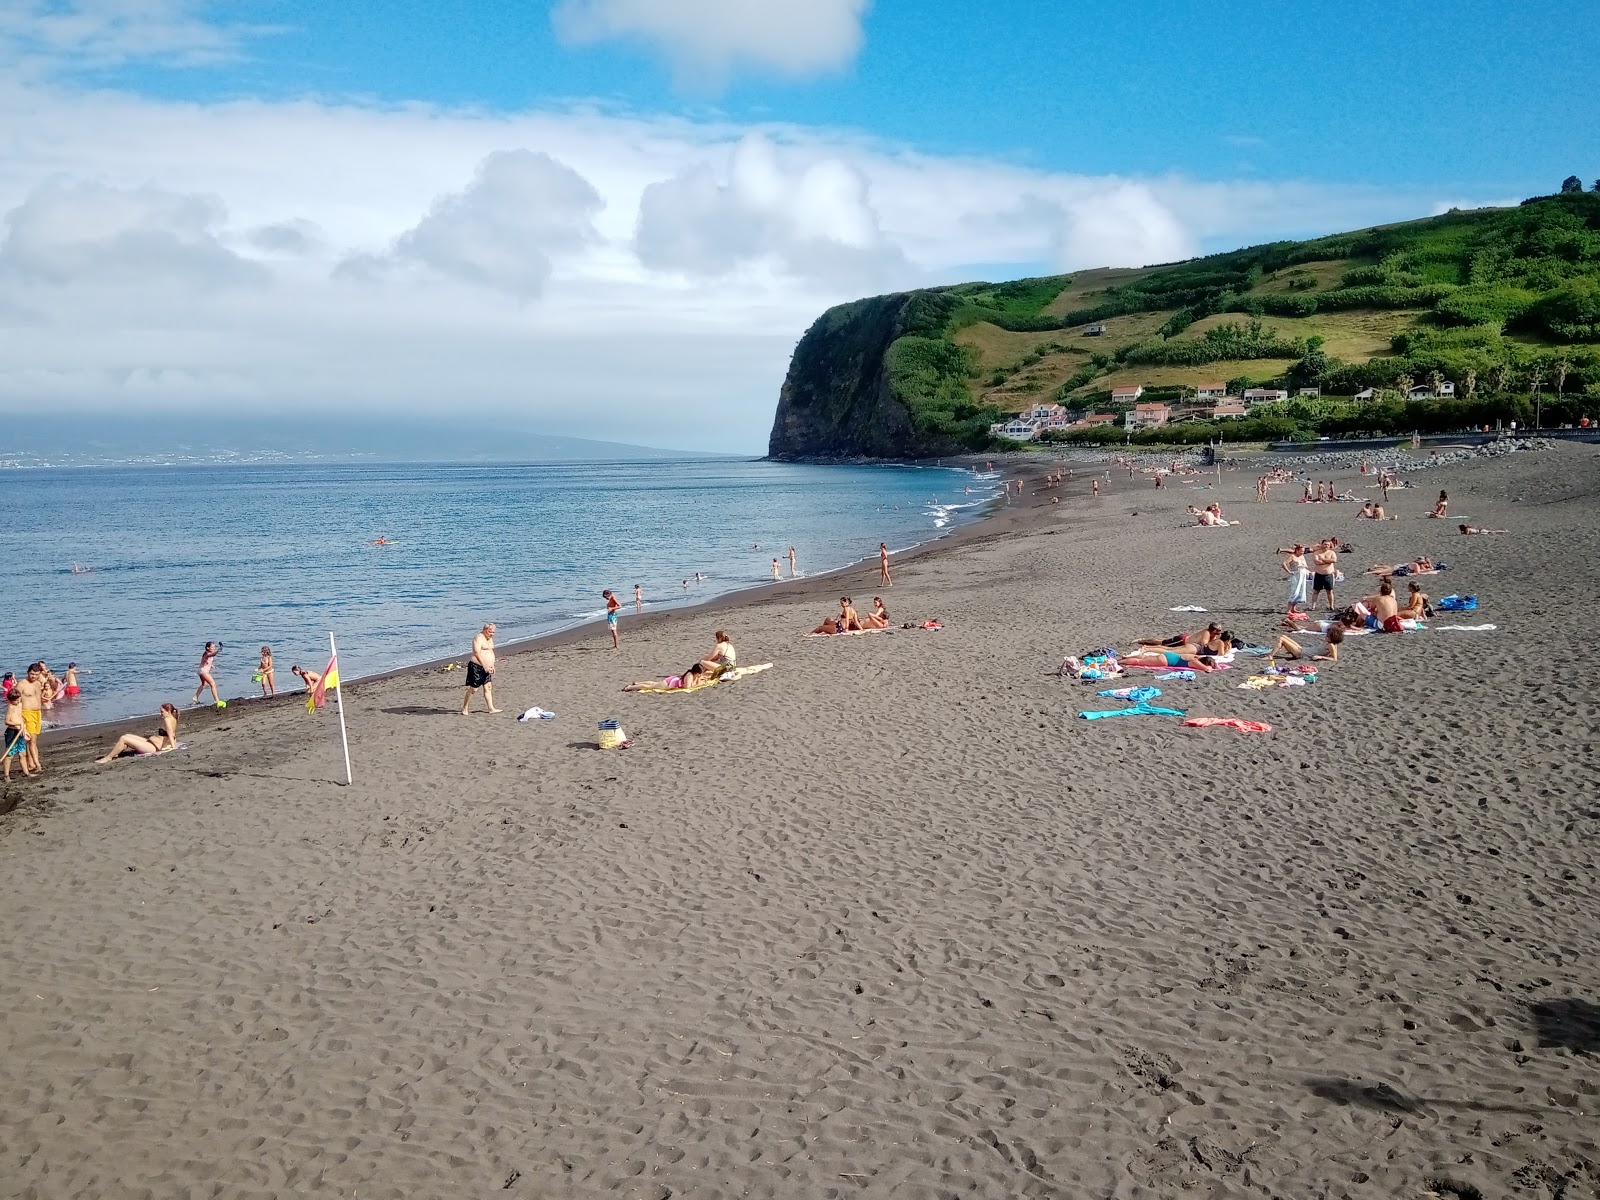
pixel 382 541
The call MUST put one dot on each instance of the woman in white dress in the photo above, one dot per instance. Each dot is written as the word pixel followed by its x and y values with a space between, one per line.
pixel 1294 566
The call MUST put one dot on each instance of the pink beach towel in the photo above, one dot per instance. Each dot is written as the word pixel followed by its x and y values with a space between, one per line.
pixel 1239 723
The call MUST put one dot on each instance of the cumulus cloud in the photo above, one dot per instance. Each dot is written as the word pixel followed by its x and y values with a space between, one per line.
pixel 65 233
pixel 500 231
pixel 706 41
pixel 1122 225
pixel 812 220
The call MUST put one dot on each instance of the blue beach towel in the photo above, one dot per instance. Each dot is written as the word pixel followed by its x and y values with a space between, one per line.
pixel 1140 709
pixel 1457 604
pixel 1139 694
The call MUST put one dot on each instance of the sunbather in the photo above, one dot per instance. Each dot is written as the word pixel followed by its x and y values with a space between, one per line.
pixel 1442 507
pixel 878 618
pixel 1416 606
pixel 695 676
pixel 1179 659
pixel 1288 648
pixel 162 740
pixel 1184 639
pixel 723 656
pixel 1475 529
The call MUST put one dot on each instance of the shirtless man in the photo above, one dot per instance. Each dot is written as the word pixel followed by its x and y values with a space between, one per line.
pixel 883 560
pixel 1475 529
pixel 480 671
pixel 30 691
pixel 1324 566
pixel 613 609
pixel 1384 607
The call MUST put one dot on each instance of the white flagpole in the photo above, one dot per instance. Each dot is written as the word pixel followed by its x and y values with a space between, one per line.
pixel 338 699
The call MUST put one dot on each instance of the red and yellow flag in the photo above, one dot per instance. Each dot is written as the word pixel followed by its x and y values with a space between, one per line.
pixel 330 679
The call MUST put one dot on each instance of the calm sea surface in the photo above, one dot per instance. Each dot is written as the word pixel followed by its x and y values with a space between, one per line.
pixel 280 555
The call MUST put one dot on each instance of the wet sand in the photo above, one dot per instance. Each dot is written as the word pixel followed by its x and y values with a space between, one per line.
pixel 887 919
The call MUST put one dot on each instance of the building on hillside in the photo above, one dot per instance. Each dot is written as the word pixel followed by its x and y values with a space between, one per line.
pixel 1049 416
pixel 1147 416
pixel 1420 391
pixel 1365 395
pixel 1229 408
pixel 1211 392
pixel 1091 420
pixel 1310 393
pixel 1018 429
pixel 1447 390
pixel 1127 395
pixel 1096 330
pixel 1264 395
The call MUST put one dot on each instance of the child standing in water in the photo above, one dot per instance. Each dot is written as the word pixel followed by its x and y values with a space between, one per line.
pixel 16 743
pixel 264 672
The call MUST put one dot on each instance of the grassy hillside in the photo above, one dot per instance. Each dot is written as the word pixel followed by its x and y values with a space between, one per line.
pixel 1504 302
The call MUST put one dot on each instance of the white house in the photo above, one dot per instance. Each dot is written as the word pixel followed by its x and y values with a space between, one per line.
pixel 1366 394
pixel 1051 416
pixel 1420 391
pixel 1447 388
pixel 1264 395
pixel 1311 393
pixel 1211 391
pixel 1229 408
pixel 1127 395
pixel 1147 416
pixel 1018 429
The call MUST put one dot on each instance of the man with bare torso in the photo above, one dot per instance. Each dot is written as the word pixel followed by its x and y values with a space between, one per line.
pixel 1384 608
pixel 1324 567
pixel 30 691
pixel 480 671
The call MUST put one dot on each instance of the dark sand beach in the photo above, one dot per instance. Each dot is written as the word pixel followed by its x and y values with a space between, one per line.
pixel 885 920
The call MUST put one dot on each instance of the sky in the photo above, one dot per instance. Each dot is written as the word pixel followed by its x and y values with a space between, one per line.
pixel 614 218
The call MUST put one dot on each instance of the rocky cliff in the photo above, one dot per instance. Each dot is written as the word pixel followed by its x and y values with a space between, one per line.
pixel 842 397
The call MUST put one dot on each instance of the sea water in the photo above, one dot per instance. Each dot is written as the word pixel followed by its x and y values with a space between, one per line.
pixel 169 557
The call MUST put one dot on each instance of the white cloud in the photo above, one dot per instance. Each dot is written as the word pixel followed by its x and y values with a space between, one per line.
pixel 65 233
pixel 40 35
pixel 811 220
pixel 708 40
pixel 178 254
pixel 501 230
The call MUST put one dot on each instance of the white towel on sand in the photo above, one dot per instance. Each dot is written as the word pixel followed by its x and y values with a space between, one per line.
pixel 1468 628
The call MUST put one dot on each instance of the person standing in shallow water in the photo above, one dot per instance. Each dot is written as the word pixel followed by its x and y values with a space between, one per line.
pixel 480 671
pixel 883 565
pixel 791 562
pixel 208 658
pixel 638 598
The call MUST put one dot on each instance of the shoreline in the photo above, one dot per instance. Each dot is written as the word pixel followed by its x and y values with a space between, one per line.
pixel 206 716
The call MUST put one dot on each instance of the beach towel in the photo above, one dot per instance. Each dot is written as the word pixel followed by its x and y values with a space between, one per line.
pixel 1457 604
pixel 1133 710
pixel 1184 674
pixel 736 673
pixel 1131 693
pixel 1468 628
pixel 661 691
pixel 537 714
pixel 1257 682
pixel 1239 723
pixel 1187 608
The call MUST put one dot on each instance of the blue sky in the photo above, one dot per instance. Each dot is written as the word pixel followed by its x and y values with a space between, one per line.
pixel 615 217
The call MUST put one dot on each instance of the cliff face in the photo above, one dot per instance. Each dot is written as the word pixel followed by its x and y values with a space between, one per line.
pixel 837 401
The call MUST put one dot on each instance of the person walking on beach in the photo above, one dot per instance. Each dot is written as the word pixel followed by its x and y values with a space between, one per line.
pixel 480 671
pixel 264 673
pixel 638 598
pixel 613 611
pixel 791 562
pixel 1324 567
pixel 1094 486
pixel 208 658
pixel 883 565
pixel 29 694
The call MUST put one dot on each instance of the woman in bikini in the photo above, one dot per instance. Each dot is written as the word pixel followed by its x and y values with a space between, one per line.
pixel 1442 507
pixel 878 618
pixel 1183 658
pixel 264 672
pixel 1416 606
pixel 695 676
pixel 309 678
pixel 159 742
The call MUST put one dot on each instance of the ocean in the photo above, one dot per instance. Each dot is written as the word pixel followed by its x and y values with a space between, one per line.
pixel 169 557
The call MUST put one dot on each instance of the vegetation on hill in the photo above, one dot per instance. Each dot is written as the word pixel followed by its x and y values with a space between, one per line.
pixel 1504 303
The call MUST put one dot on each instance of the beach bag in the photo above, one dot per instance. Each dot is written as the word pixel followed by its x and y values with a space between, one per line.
pixel 611 735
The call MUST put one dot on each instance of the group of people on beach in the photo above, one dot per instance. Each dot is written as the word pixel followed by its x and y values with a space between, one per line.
pixel 849 621
pixel 27 699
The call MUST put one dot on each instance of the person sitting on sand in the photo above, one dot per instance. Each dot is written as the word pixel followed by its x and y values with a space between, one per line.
pixel 1416 606
pixel 1287 647
pixel 159 742
pixel 1181 658
pixel 848 617
pixel 1442 507
pixel 1385 609
pixel 1372 512
pixel 309 678
pixel 723 656
pixel 695 676
pixel 878 618
pixel 1475 529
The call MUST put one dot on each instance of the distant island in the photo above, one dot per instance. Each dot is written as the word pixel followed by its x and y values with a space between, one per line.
pixel 202 440
pixel 1465 319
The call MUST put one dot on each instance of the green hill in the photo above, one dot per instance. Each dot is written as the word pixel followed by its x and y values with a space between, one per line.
pixel 1502 302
